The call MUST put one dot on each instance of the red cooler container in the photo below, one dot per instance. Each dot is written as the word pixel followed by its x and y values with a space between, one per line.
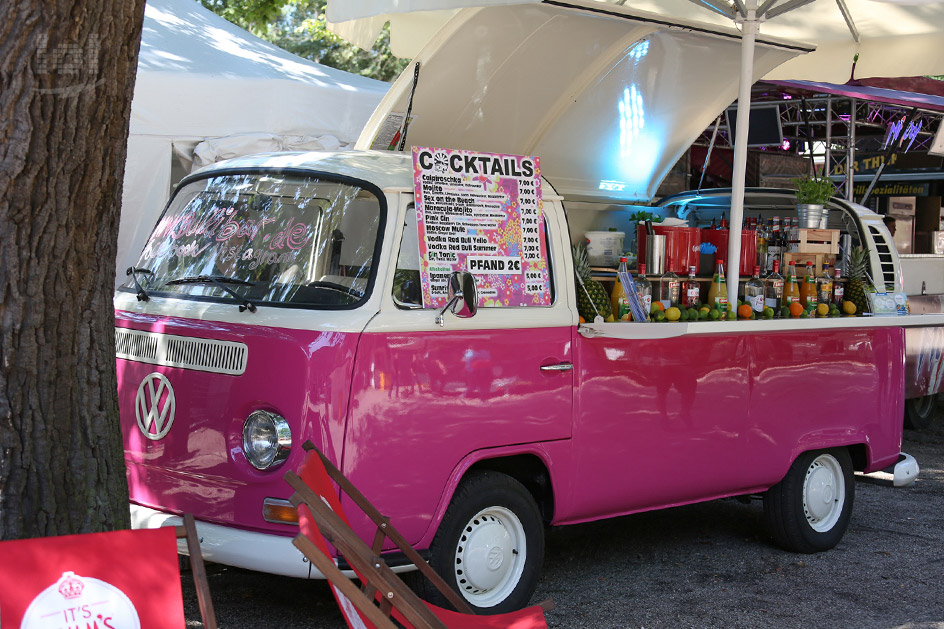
pixel 681 245
pixel 719 238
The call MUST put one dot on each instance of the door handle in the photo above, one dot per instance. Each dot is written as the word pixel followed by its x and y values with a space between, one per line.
pixel 558 367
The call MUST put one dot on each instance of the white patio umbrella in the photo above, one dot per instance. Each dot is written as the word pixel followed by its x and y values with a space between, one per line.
pixel 890 37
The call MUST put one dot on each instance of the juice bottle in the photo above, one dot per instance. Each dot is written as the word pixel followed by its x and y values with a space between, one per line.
pixel 691 296
pixel 618 297
pixel 718 293
pixel 791 290
pixel 808 289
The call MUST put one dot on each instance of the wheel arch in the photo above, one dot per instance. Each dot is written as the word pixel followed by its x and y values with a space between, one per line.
pixel 529 470
pixel 528 464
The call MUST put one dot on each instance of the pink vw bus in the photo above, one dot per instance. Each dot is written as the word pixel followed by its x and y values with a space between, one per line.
pixel 280 299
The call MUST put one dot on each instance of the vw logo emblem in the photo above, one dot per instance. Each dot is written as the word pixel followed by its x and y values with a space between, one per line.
pixel 154 406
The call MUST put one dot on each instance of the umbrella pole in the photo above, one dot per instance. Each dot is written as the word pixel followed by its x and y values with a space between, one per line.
pixel 748 34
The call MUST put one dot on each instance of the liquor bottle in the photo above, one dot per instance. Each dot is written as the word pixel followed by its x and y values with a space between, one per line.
pixel 761 237
pixel 644 289
pixel 724 223
pixel 839 288
pixel 669 286
pixel 791 290
pixel 754 291
pixel 691 289
pixel 714 225
pixel 824 286
pixel 773 289
pixel 618 298
pixel 774 244
pixel 808 288
pixel 718 293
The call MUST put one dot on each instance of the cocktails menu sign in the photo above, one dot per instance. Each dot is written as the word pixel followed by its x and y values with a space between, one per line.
pixel 481 213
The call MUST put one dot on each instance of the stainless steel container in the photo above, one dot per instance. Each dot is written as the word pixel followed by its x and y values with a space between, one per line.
pixel 655 254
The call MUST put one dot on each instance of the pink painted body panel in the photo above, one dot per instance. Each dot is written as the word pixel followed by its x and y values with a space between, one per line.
pixel 662 422
pixel 199 467
pixel 421 403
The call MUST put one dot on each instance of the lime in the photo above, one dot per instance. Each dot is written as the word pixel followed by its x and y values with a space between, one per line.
pixel 805 315
pixel 785 312
pixel 714 314
pixel 683 315
pixel 768 312
pixel 659 316
pixel 692 314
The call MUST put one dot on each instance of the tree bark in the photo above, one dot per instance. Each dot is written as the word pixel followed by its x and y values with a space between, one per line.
pixel 67 70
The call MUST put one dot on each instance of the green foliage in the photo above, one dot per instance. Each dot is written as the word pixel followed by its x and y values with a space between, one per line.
pixel 299 27
pixel 642 215
pixel 813 190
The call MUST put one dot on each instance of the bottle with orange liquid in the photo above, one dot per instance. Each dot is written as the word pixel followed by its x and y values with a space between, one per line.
pixel 718 293
pixel 791 290
pixel 808 288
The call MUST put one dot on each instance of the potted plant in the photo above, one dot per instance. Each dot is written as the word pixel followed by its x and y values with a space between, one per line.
pixel 812 195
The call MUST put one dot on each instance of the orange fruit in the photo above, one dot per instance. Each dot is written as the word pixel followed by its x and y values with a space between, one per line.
pixel 796 309
pixel 744 311
pixel 659 305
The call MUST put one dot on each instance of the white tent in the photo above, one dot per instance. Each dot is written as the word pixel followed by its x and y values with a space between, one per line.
pixel 207 90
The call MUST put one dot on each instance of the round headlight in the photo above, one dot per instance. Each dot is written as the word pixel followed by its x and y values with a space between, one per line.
pixel 267 439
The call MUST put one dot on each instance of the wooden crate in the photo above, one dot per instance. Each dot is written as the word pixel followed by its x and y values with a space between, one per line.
pixel 818 260
pixel 815 241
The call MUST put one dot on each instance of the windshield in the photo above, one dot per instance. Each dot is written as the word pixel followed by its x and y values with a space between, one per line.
pixel 264 239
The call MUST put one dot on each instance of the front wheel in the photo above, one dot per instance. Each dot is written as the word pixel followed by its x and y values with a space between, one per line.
pixel 490 545
pixel 809 510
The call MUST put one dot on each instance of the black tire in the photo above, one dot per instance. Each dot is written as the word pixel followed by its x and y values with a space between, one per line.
pixel 809 510
pixel 922 412
pixel 490 511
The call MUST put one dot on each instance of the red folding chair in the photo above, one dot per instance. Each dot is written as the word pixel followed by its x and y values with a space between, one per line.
pixel 128 578
pixel 382 599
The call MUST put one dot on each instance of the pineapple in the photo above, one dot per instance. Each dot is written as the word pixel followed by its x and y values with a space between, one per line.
pixel 856 281
pixel 592 299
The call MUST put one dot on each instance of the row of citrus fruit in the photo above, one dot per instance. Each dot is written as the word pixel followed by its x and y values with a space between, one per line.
pixel 659 313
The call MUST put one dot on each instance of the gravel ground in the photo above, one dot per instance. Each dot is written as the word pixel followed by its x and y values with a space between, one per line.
pixel 706 565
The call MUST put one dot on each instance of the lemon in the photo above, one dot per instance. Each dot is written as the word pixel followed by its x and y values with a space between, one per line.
pixel 822 310
pixel 673 314
pixel 848 307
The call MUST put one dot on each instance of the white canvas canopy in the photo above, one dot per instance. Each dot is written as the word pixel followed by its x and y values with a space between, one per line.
pixel 207 90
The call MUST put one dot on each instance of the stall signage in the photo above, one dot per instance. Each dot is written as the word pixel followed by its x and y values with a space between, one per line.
pixel 481 213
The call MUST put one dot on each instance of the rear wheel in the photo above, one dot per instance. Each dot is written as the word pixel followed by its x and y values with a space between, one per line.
pixel 809 510
pixel 921 412
pixel 490 545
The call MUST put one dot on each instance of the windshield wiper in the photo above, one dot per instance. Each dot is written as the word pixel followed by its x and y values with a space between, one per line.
pixel 218 281
pixel 133 272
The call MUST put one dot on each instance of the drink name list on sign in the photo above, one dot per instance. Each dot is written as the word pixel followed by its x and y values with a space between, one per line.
pixel 481 213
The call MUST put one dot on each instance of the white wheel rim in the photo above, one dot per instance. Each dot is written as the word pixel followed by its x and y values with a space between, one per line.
pixel 824 493
pixel 490 556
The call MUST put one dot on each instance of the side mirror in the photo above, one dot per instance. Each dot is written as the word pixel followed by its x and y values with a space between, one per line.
pixel 463 297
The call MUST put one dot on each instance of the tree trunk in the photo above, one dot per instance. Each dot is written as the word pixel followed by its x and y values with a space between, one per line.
pixel 67 71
